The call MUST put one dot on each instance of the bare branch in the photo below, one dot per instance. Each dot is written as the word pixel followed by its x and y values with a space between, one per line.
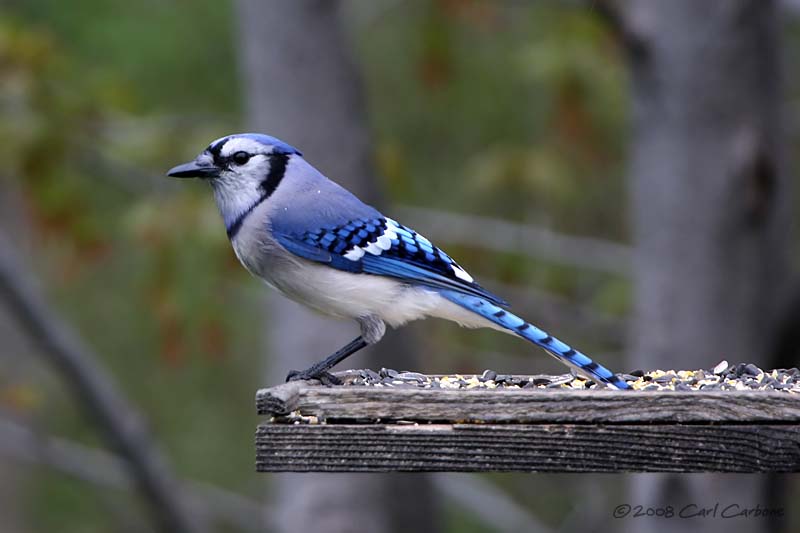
pixel 108 470
pixel 98 393
pixel 503 236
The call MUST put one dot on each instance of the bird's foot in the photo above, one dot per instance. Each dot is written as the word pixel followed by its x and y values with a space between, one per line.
pixel 326 378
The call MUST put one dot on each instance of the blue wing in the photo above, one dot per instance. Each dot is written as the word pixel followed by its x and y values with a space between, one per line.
pixel 380 246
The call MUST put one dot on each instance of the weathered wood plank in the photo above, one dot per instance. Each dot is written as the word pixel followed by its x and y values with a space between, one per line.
pixel 368 404
pixel 279 400
pixel 372 428
pixel 529 448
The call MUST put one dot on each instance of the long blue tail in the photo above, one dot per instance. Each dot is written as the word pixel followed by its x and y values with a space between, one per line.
pixel 569 356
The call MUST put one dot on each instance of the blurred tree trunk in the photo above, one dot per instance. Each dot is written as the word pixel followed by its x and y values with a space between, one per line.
pixel 709 206
pixel 302 86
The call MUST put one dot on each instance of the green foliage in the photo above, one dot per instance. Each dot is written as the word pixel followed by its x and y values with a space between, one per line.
pixel 95 104
pixel 510 110
pixel 147 56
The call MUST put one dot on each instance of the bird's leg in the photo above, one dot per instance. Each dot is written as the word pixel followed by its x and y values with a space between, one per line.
pixel 320 370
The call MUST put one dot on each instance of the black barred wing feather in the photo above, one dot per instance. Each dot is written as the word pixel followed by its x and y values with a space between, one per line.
pixel 384 247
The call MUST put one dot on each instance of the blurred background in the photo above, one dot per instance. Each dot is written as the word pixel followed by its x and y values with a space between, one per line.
pixel 621 171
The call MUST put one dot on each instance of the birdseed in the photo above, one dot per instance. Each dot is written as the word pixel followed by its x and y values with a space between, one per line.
pixel 722 377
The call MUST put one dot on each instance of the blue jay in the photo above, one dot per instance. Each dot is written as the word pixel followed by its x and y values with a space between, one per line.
pixel 318 244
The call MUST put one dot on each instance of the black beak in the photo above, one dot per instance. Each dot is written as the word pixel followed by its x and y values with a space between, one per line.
pixel 193 169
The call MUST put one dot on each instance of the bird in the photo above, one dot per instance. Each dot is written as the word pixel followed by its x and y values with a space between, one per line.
pixel 318 244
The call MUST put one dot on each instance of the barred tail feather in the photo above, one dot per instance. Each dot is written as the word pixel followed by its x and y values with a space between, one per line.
pixel 567 355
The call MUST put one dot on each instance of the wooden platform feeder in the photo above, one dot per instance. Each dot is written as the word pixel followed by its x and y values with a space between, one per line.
pixel 358 428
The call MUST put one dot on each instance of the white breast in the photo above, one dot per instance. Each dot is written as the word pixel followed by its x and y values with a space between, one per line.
pixel 344 294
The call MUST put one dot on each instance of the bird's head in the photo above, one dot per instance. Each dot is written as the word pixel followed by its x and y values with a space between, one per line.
pixel 243 169
pixel 240 160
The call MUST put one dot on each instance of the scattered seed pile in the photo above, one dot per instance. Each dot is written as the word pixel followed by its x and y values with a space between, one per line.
pixel 723 377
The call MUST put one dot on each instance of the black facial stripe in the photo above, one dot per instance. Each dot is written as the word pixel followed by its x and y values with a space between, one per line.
pixel 216 149
pixel 277 169
pixel 237 224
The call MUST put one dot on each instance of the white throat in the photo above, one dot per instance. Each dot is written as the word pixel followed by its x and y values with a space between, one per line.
pixel 235 198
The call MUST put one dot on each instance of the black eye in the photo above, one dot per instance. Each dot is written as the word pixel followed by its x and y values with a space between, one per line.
pixel 240 158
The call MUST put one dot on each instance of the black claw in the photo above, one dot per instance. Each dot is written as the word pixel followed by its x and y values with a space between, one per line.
pixel 329 379
pixel 326 378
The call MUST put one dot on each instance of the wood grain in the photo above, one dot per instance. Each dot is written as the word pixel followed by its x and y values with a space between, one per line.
pixel 279 400
pixel 368 404
pixel 528 448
